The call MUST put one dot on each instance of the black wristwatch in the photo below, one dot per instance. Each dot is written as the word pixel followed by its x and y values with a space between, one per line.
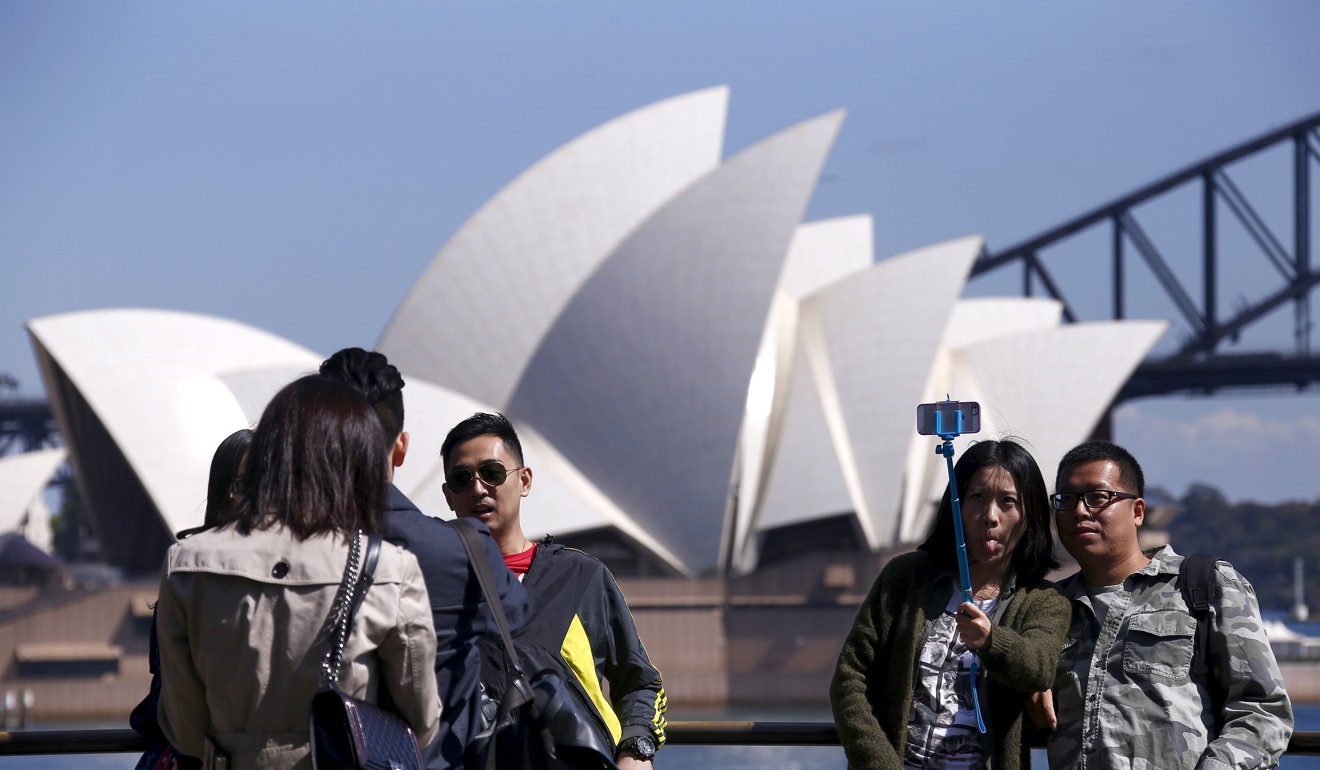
pixel 643 746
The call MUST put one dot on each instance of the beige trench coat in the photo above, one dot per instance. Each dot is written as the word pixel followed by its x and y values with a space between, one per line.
pixel 241 621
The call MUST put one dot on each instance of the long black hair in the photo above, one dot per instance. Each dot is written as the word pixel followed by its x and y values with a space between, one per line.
pixel 1033 556
pixel 222 486
pixel 318 462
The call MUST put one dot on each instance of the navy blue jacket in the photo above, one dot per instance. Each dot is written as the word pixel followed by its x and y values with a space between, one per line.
pixel 460 614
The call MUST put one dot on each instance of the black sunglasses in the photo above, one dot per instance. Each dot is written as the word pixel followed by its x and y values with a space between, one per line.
pixel 1094 500
pixel 492 473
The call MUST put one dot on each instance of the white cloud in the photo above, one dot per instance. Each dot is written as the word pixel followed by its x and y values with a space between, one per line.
pixel 1262 452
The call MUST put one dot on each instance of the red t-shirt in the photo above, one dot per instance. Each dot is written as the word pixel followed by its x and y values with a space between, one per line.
pixel 520 562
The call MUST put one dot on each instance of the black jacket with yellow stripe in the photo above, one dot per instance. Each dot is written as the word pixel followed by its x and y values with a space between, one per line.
pixel 578 623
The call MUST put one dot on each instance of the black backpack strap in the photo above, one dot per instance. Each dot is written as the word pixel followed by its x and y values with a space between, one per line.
pixel 519 692
pixel 477 558
pixel 1196 581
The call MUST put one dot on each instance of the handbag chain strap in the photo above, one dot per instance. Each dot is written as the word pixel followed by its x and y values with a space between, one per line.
pixel 340 616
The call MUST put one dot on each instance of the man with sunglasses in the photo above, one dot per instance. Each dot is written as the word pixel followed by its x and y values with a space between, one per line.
pixel 458 607
pixel 578 621
pixel 1127 694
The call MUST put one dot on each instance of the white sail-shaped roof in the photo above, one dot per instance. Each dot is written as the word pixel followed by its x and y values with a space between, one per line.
pixel 1063 374
pixel 253 388
pixel 809 474
pixel 154 381
pixel 642 381
pixel 972 321
pixel 1038 385
pixel 826 251
pixel 984 318
pixel 820 253
pixel 540 239
pixel 565 500
pixel 23 478
pixel 688 364
pixel 873 336
pixel 763 420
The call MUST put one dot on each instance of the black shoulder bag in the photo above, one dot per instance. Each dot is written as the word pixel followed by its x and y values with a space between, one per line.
pixel 540 723
pixel 348 733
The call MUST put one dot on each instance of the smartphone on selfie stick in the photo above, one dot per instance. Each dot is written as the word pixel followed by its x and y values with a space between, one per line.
pixel 950 419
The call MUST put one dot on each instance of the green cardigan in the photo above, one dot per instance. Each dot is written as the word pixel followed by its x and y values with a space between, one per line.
pixel 871 693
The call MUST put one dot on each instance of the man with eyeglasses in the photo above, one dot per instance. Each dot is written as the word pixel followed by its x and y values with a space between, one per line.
pixel 578 620
pixel 458 607
pixel 1127 694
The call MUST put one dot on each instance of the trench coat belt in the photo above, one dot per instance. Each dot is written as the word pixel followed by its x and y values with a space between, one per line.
pixel 242 747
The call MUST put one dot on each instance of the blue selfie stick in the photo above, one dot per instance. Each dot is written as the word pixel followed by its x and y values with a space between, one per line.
pixel 949 433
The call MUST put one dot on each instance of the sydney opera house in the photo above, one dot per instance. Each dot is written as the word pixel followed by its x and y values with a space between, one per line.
pixel 703 379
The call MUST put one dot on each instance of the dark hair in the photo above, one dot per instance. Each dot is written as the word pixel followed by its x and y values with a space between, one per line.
pixel 482 424
pixel 1129 470
pixel 1033 556
pixel 226 467
pixel 371 374
pixel 318 462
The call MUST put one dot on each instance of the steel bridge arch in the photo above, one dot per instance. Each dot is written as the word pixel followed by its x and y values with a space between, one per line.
pixel 1198 365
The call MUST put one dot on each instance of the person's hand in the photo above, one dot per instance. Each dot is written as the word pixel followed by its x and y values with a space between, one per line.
pixel 1040 710
pixel 627 761
pixel 973 626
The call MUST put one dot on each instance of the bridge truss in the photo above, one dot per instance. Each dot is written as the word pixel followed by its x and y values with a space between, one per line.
pixel 26 424
pixel 1201 361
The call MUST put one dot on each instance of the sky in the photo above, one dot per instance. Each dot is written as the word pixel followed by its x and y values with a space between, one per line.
pixel 296 165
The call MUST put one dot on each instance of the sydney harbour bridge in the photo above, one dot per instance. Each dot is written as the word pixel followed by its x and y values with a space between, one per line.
pixel 1176 248
pixel 1218 234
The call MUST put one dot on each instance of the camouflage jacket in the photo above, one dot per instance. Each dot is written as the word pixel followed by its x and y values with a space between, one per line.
pixel 1142 708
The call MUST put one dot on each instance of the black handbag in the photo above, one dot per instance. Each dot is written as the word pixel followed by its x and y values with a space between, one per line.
pixel 540 723
pixel 348 733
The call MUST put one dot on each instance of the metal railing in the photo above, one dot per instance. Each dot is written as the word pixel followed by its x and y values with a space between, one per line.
pixel 678 734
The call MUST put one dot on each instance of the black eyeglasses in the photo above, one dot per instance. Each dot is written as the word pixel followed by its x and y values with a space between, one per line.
pixel 492 473
pixel 1094 500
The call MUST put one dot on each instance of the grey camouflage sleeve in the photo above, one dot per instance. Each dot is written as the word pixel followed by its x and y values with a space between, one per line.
pixel 1257 718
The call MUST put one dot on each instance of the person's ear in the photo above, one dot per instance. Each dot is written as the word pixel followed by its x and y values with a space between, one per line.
pixel 1139 510
pixel 400 449
pixel 525 479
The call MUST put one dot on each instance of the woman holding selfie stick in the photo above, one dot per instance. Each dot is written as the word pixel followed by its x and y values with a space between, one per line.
pixel 901 693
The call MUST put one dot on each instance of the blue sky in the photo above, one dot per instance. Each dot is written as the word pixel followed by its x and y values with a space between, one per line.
pixel 296 165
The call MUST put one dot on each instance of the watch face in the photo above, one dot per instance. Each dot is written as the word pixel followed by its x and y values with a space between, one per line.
pixel 642 745
pixel 645 747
